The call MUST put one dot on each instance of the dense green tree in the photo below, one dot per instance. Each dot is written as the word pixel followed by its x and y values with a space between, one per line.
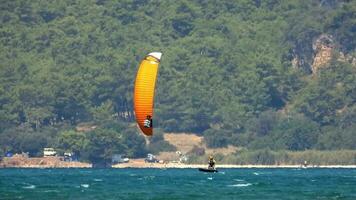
pixel 132 139
pixel 323 97
pixel 298 133
pixel 217 138
pixel 342 25
pixel 26 139
pixel 100 145
pixel 71 141
pixel 264 123
pixel 337 138
pixel 225 66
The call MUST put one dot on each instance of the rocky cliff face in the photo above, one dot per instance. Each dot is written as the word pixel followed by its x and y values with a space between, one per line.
pixel 324 48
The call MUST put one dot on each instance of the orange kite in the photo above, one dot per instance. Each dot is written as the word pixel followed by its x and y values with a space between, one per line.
pixel 145 90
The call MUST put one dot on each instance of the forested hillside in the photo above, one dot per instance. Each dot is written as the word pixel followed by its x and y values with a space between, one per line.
pixel 238 72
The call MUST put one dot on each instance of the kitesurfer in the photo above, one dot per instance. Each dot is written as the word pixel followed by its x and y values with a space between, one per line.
pixel 148 122
pixel 211 162
pixel 144 91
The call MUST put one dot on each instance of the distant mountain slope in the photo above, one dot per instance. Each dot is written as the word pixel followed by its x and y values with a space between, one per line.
pixel 228 68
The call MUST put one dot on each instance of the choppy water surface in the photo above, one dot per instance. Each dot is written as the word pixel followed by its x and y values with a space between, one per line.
pixel 177 184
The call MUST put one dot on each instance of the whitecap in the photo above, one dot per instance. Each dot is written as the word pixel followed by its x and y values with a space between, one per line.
pixel 240 185
pixel 98 179
pixel 84 185
pixel 240 180
pixel 221 172
pixel 29 187
pixel 210 178
pixel 255 173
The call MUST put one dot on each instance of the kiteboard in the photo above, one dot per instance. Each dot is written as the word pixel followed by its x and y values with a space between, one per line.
pixel 208 170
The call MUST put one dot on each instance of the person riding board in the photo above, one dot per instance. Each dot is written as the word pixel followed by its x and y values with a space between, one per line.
pixel 148 122
pixel 211 162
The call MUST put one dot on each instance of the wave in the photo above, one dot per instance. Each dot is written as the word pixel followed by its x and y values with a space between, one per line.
pixel 241 185
pixel 29 187
pixel 239 180
pixel 98 179
pixel 84 185
pixel 46 191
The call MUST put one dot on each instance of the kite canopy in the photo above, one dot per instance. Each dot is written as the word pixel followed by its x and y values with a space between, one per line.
pixel 145 90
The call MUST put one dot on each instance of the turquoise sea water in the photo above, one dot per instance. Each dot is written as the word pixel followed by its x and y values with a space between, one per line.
pixel 177 184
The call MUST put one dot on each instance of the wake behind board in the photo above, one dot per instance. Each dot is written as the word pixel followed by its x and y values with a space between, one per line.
pixel 208 170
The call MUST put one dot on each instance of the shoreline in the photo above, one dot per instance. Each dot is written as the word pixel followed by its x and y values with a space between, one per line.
pixel 57 162
pixel 227 166
pixel 190 167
